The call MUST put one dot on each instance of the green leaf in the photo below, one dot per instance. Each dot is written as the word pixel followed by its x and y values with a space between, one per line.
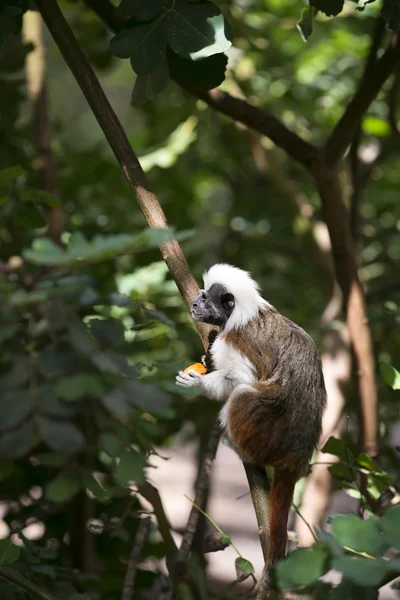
pixel 358 534
pixel 61 436
pixel 110 444
pixel 198 30
pixel 391 526
pixel 243 568
pixel 143 43
pixel 330 7
pixel 303 567
pixel 131 468
pixel 390 375
pixel 204 74
pixel 76 387
pixel 107 332
pixel 115 364
pixel 146 396
pixel 18 442
pixel 375 126
pixel 15 406
pixel 53 459
pixel 81 340
pixel 11 173
pixel 305 24
pixel 94 486
pixel 329 542
pixel 8 331
pixel 147 86
pixel 365 572
pixel 48 403
pixel 116 402
pixel 338 448
pixel 63 488
pixel 44 252
pixel 17 375
pixel 9 553
pixel 141 10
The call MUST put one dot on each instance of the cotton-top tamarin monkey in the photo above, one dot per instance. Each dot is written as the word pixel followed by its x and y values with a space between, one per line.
pixel 268 372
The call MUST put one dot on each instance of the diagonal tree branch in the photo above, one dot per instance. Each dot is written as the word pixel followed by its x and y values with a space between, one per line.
pixel 373 79
pixel 24 583
pixel 116 137
pixel 259 120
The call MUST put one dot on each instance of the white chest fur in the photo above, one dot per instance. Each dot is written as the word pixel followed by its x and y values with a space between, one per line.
pixel 227 358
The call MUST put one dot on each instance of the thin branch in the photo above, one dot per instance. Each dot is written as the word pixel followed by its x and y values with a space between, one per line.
pixel 152 495
pixel 201 491
pixel 259 120
pixel 297 511
pixel 140 539
pixel 25 584
pixel 116 137
pixel 370 84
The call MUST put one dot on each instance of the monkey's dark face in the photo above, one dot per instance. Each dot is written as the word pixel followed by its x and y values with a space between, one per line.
pixel 213 306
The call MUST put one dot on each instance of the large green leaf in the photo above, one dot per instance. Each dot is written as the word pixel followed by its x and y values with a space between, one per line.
pixel 365 572
pixel 64 487
pixel 9 553
pixel 61 436
pixel 76 387
pixel 391 526
pixel 115 364
pixel 147 86
pixel 202 74
pixel 15 406
pixel 141 10
pixel 390 375
pixel 358 534
pixel 100 248
pixel 144 44
pixel 131 468
pixel 198 30
pixel 146 396
pixel 111 444
pixel 18 442
pixel 303 567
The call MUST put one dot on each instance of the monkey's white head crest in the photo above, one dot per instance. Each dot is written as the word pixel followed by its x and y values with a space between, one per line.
pixel 246 291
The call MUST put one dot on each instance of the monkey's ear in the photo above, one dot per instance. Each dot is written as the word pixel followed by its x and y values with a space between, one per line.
pixel 228 299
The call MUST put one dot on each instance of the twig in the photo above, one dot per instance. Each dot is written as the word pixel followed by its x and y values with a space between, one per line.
pixel 152 495
pixel 116 137
pixel 370 84
pixel 25 584
pixel 297 511
pixel 201 491
pixel 140 539
pixel 259 120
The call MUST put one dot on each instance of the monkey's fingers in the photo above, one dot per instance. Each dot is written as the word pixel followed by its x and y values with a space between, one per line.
pixel 190 379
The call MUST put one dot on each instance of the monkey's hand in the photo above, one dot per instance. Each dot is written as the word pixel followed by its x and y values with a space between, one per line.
pixel 189 379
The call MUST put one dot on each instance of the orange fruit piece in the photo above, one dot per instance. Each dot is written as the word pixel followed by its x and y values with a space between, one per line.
pixel 197 367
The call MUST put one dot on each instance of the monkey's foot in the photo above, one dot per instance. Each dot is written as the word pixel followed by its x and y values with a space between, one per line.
pixel 188 379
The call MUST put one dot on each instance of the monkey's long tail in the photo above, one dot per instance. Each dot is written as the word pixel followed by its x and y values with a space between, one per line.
pixel 279 504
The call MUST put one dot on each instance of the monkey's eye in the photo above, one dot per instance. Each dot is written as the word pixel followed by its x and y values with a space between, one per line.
pixel 228 300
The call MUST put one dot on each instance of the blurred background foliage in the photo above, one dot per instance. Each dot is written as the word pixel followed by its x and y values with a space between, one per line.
pixel 91 336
